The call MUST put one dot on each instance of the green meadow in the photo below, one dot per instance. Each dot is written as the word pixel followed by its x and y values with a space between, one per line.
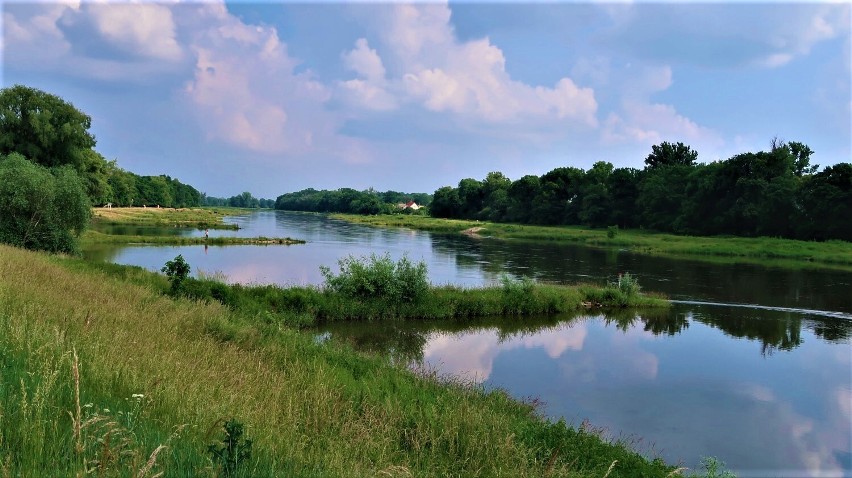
pixel 107 369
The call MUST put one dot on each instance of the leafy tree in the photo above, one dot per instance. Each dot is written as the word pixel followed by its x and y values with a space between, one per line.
pixel 44 128
pixel 446 203
pixel 39 208
pixel 670 154
pixel 177 270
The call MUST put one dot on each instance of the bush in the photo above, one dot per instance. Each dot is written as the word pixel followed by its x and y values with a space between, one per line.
pixel 41 209
pixel 378 277
pixel 611 231
pixel 627 284
pixel 177 271
pixel 517 294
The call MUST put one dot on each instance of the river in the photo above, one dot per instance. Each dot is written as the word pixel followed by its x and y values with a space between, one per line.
pixel 751 365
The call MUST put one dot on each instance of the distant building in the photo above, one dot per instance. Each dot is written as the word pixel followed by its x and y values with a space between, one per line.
pixel 411 205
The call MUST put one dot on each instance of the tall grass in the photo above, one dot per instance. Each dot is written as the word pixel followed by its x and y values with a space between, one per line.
pixel 160 372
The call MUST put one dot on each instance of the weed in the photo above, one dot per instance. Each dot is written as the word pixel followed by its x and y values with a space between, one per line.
pixel 233 451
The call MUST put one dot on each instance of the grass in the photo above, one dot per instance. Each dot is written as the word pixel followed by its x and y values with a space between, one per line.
pixel 781 252
pixel 200 218
pixel 157 377
pixel 95 237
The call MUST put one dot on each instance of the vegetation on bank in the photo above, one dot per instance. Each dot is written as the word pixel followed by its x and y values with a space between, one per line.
pixel 103 373
pixel 775 193
pixel 350 201
pixel 95 237
pixel 199 218
pixel 827 253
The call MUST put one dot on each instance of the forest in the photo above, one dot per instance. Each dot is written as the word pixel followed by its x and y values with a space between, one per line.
pixel 347 200
pixel 775 193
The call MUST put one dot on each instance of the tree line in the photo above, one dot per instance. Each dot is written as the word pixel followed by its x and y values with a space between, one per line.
pixel 245 200
pixel 350 201
pixel 51 175
pixel 768 193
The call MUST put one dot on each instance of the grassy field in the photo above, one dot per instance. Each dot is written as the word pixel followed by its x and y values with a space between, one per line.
pixel 95 237
pixel 102 373
pixel 199 218
pixel 781 252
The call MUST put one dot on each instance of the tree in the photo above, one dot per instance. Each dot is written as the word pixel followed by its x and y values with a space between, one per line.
pixel 44 128
pixel 41 209
pixel 669 154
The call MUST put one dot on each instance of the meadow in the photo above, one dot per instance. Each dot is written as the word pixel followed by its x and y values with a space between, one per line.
pixel 104 371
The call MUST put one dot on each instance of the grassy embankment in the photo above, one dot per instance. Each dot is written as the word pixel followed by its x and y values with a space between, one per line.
pixel 780 252
pixel 198 218
pixel 157 376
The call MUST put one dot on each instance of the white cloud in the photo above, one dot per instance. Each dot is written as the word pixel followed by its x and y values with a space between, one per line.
pixel 248 93
pixel 469 79
pixel 145 29
pixel 370 92
pixel 365 61
pixel 642 121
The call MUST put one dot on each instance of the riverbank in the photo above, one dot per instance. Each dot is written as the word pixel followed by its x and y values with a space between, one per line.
pixel 779 252
pixel 152 219
pixel 198 218
pixel 102 371
pixel 95 237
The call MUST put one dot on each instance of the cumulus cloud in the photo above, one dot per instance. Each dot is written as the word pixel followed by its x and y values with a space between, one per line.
pixel 730 35
pixel 468 79
pixel 246 91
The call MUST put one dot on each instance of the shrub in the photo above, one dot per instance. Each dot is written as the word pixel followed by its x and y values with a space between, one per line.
pixel 517 294
pixel 611 231
pixel 177 271
pixel 627 284
pixel 378 277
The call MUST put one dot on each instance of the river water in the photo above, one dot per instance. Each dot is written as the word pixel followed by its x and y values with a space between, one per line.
pixel 751 365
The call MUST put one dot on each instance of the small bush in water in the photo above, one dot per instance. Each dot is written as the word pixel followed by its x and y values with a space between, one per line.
pixel 627 284
pixel 378 277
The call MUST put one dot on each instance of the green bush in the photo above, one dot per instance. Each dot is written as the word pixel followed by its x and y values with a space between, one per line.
pixel 628 284
pixel 378 277
pixel 233 451
pixel 177 271
pixel 611 231
pixel 40 208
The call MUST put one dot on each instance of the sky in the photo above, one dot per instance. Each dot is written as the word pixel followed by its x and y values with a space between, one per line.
pixel 277 97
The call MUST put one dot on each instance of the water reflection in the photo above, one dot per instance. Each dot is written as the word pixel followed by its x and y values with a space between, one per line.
pixel 673 378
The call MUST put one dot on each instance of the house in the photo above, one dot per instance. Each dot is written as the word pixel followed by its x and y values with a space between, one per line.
pixel 412 205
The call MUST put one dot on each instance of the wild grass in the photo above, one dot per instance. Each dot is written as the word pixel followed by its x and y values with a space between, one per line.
pixel 158 376
pixel 201 218
pixel 96 237
pixel 778 252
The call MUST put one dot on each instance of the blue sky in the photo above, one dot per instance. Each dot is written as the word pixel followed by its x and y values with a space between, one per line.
pixel 277 97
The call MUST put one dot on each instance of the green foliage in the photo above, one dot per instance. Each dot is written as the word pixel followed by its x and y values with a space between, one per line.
pixel 177 270
pixel 517 294
pixel 43 127
pixel 611 232
pixel 775 193
pixel 39 208
pixel 712 467
pixel 233 451
pixel 379 277
pixel 627 284
pixel 345 200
